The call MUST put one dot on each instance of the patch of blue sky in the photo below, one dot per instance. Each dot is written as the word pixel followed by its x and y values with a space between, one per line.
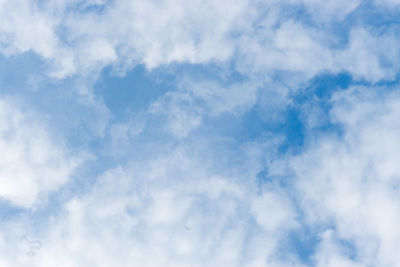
pixel 316 96
pixel 253 125
pixel 302 243
pixel 8 211
pixel 81 6
pixel 138 88
pixel 133 92
pixel 380 17
pixel 125 96
pixel 18 72
pixel 60 105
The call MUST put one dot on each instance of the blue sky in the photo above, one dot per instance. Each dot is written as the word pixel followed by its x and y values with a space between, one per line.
pixel 199 133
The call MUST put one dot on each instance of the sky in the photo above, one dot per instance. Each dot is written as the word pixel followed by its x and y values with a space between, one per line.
pixel 241 133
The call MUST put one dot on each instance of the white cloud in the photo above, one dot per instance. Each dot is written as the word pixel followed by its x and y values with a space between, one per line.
pixel 273 210
pixel 331 254
pixel 185 215
pixel 180 209
pixel 32 163
pixel 352 181
pixel 156 33
pixel 306 51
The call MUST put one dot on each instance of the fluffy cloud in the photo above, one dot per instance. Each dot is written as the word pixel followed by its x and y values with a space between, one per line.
pixel 83 38
pixel 171 210
pixel 24 27
pixel 168 197
pixel 32 163
pixel 351 182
